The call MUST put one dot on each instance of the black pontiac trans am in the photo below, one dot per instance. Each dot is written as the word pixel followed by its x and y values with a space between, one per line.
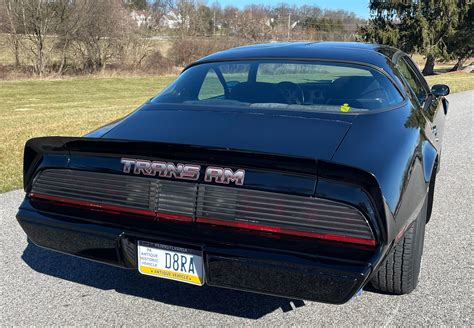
pixel 302 170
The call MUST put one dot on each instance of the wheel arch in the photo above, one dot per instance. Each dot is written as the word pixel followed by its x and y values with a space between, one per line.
pixel 431 188
pixel 430 160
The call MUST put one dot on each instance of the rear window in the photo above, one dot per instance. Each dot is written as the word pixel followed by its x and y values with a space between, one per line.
pixel 308 86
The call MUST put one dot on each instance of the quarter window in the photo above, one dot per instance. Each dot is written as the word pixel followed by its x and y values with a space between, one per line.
pixel 211 86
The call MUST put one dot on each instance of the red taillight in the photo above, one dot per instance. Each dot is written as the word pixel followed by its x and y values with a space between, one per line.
pixel 251 226
pixel 116 209
pixel 174 217
pixel 92 205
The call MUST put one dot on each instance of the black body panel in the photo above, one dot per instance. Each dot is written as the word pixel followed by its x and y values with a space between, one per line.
pixel 378 163
pixel 248 260
pixel 274 133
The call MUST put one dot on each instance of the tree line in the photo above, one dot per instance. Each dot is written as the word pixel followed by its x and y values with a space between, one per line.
pixel 51 35
pixel 257 22
pixel 83 36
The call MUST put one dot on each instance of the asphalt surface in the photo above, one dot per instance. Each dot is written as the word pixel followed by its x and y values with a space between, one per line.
pixel 41 287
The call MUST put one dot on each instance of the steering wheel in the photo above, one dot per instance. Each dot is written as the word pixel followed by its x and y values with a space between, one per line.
pixel 292 92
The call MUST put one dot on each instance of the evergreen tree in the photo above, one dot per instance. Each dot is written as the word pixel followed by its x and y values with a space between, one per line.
pixel 422 26
pixel 461 44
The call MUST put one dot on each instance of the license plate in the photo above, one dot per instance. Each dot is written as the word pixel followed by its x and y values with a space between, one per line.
pixel 171 262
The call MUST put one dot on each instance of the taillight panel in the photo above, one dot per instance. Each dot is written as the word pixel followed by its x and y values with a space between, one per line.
pixel 208 204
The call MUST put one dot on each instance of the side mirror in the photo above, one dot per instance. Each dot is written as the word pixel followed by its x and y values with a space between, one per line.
pixel 440 90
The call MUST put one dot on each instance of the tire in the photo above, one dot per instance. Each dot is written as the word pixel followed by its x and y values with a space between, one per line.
pixel 399 274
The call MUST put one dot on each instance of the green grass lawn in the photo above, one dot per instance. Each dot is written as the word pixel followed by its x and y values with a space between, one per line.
pixel 457 81
pixel 33 108
pixel 72 107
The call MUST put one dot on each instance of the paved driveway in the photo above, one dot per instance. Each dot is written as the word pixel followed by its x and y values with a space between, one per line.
pixel 40 287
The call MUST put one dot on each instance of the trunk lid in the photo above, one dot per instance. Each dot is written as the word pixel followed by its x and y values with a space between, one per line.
pixel 269 132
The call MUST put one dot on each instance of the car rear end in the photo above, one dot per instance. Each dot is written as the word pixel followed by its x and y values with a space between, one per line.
pixel 290 226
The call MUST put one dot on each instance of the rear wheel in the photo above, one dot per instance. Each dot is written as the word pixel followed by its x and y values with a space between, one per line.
pixel 399 274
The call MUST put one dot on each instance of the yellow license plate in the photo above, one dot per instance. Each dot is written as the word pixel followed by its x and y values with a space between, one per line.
pixel 171 262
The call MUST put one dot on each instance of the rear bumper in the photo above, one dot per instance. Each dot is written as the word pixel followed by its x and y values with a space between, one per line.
pixel 332 275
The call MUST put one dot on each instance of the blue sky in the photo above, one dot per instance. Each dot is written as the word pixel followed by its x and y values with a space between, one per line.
pixel 360 7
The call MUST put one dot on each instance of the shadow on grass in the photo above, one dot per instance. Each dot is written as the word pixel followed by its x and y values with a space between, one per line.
pixel 130 282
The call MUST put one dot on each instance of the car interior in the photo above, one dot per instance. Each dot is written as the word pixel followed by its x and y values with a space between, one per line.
pixel 362 92
pixel 369 90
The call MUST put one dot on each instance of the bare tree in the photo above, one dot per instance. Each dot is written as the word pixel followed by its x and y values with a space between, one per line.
pixel 217 14
pixel 185 11
pixel 100 39
pixel 254 23
pixel 203 20
pixel 9 26
pixel 37 19
pixel 159 8
pixel 72 19
pixel 230 18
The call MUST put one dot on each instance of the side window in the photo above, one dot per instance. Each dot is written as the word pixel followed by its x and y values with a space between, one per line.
pixel 413 80
pixel 211 87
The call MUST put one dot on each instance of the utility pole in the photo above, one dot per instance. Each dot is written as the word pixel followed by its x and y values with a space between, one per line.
pixel 289 25
pixel 214 22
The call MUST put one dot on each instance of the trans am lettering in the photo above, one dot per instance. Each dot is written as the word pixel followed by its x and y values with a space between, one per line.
pixel 224 175
pixel 182 171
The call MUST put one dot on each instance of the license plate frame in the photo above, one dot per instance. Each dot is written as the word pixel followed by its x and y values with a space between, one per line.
pixel 178 265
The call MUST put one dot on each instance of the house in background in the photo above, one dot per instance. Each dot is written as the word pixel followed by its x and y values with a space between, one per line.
pixel 171 20
pixel 141 17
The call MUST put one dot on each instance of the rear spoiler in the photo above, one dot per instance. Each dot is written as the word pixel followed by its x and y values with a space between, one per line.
pixel 36 148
